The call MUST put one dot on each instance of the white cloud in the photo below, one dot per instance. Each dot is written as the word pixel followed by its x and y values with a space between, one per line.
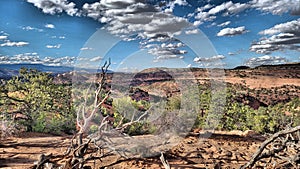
pixel 209 59
pixel 214 61
pixel 50 26
pixel 220 8
pixel 224 24
pixel 3 37
pixel 197 23
pixel 277 7
pixel 278 38
pixel 236 8
pixel 265 60
pixel 231 53
pixel 58 37
pixel 171 5
pixel 203 8
pixel 193 31
pixel 93 10
pixel 86 48
pixel 21 58
pixel 129 17
pixel 55 6
pixel 30 28
pixel 288 27
pixel 166 53
pixel 208 12
pixel 148 22
pixel 11 44
pixel 232 31
pixel 97 58
pixel 165 24
pixel 166 50
pixel 61 61
pixel 53 46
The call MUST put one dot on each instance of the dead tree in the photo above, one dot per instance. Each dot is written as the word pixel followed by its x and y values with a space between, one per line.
pixel 281 150
pixel 85 147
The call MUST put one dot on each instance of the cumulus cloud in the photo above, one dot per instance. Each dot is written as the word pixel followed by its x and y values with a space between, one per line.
pixel 208 12
pixel 11 44
pixel 50 26
pixel 55 6
pixel 107 10
pixel 232 31
pixel 265 60
pixel 278 38
pixel 60 61
pixel 21 58
pixel 34 58
pixel 277 7
pixel 167 50
pixel 288 27
pixel 193 31
pixel 134 17
pixel 7 43
pixel 203 8
pixel 214 61
pixel 171 5
pixel 209 59
pixel 53 46
pixel 147 25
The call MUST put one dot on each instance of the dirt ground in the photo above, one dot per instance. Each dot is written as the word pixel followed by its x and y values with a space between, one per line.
pixel 195 151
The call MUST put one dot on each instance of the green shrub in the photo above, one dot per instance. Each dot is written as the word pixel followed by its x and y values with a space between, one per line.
pixel 45 105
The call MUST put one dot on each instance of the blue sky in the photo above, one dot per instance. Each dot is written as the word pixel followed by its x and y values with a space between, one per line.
pixel 137 34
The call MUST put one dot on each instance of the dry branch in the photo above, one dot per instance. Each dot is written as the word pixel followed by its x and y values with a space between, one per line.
pixel 164 162
pixel 284 137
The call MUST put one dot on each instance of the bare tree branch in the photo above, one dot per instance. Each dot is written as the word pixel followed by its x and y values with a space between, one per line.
pixel 164 162
pixel 271 153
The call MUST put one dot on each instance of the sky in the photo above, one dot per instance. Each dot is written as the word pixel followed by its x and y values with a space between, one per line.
pixel 138 34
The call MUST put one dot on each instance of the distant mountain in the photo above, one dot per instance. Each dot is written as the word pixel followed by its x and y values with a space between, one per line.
pixel 9 70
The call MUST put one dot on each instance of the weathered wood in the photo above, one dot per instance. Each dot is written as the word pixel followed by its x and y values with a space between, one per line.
pixel 259 153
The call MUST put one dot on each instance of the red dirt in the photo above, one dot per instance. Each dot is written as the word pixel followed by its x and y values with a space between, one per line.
pixel 226 150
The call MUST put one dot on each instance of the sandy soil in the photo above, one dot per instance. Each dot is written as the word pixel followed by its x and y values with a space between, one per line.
pixel 263 82
pixel 195 151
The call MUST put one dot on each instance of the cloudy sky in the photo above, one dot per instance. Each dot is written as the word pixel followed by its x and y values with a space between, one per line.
pixel 137 34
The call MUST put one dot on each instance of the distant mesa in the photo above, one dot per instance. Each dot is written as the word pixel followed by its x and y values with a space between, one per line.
pixel 149 76
pixel 241 67
pixel 287 66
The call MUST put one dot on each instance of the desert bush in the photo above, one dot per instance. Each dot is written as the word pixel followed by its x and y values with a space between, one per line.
pixel 127 109
pixel 174 103
pixel 239 116
pixel 43 105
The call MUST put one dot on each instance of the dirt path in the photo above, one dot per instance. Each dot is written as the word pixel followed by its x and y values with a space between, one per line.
pixel 193 152
pixel 23 151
